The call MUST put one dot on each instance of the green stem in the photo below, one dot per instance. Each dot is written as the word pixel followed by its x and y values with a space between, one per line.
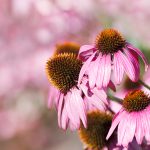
pixel 115 99
pixel 144 84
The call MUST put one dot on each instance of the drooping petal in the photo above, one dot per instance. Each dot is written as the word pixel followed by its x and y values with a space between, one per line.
pixel 122 130
pixel 140 54
pixel 60 108
pixel 85 68
pixel 147 125
pixel 139 134
pixel 93 72
pixel 131 128
pixel 128 66
pixel 118 69
pixel 130 122
pixel 134 58
pixel 96 102
pixel 107 71
pixel 64 118
pixel 86 51
pixel 52 97
pixel 121 114
pixel 71 110
pixel 80 106
pixel 101 72
pixel 101 94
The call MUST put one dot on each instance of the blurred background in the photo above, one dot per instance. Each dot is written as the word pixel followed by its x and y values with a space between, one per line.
pixel 29 31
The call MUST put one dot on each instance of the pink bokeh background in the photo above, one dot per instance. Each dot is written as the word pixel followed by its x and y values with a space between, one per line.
pixel 29 31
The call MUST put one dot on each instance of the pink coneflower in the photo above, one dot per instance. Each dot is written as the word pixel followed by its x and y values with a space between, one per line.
pixel 93 137
pixel 110 53
pixel 132 119
pixel 61 48
pixel 63 71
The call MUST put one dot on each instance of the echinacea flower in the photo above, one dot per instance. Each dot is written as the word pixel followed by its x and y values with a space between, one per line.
pixel 63 71
pixel 111 54
pixel 133 119
pixel 65 47
pixel 98 124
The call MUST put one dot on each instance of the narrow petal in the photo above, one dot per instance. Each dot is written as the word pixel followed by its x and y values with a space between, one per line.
pixel 52 97
pixel 71 110
pixel 96 102
pixel 101 72
pixel 80 106
pixel 140 54
pixel 84 88
pixel 107 71
pixel 121 114
pixel 64 120
pixel 122 127
pixel 147 124
pixel 101 94
pixel 86 51
pixel 72 126
pixel 85 68
pixel 130 129
pixel 93 72
pixel 118 69
pixel 134 58
pixel 60 108
pixel 139 134
pixel 128 66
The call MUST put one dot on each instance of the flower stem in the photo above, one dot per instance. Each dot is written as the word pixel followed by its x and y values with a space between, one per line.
pixel 115 99
pixel 144 84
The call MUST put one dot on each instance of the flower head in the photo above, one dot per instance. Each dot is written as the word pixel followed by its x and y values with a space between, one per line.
pixel 63 71
pixel 109 41
pixel 133 119
pixel 67 47
pixel 65 67
pixel 111 55
pixel 98 124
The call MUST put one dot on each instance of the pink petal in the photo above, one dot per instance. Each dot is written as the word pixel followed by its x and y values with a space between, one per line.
pixel 147 125
pixel 52 98
pixel 121 114
pixel 107 70
pixel 130 129
pixel 60 108
pixel 96 102
pixel 128 66
pixel 134 58
pixel 64 120
pixel 101 72
pixel 122 127
pixel 71 110
pixel 80 106
pixel 84 88
pixel 118 69
pixel 86 51
pixel 140 54
pixel 85 67
pixel 93 72
pixel 101 94
pixel 139 134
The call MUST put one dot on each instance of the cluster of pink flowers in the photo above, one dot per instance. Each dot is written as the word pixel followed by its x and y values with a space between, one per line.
pixel 103 65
